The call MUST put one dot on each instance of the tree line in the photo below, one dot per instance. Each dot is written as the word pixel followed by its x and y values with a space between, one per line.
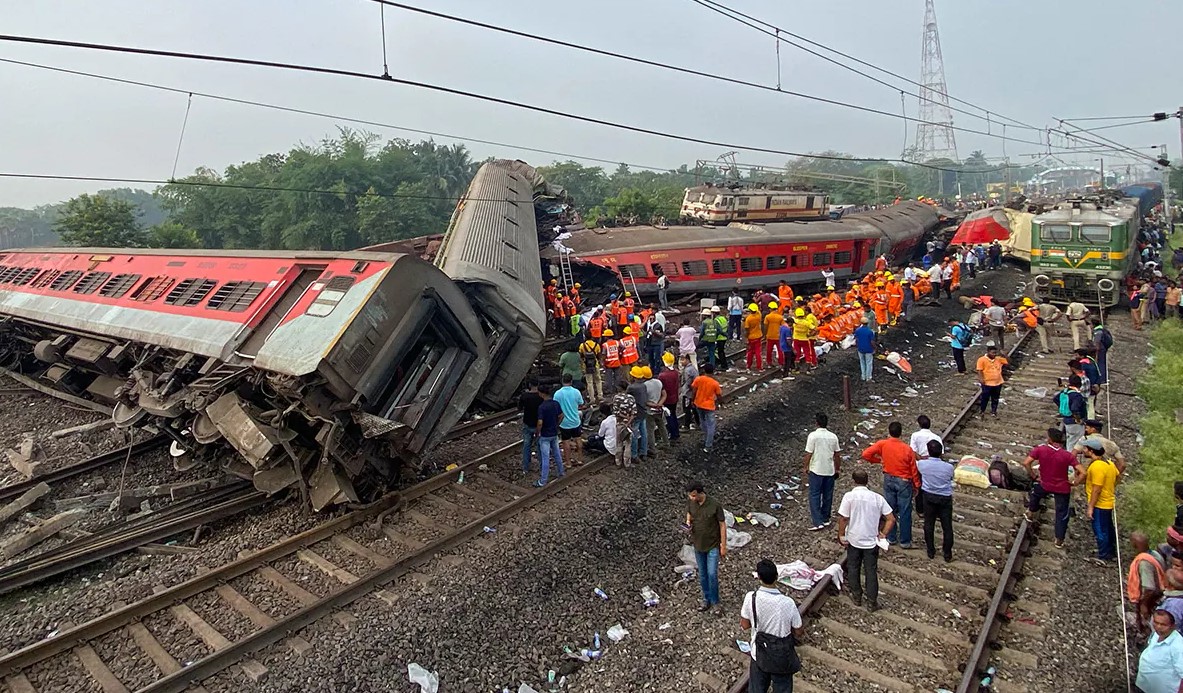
pixel 356 189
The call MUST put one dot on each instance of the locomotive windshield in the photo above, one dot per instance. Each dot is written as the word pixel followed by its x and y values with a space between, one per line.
pixel 1055 233
pixel 1093 233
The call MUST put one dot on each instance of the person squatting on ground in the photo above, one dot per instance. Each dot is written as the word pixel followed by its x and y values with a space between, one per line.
pixel 858 531
pixel 708 532
pixel 821 469
pixel 900 479
pixel 936 487
pixel 1145 582
pixel 776 627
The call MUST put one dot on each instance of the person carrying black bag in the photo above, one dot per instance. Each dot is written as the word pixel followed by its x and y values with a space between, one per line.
pixel 776 625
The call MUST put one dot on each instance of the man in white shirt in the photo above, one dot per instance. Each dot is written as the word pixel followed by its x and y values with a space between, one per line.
pixel 995 317
pixel 768 610
pixel 946 280
pixel 919 441
pixel 663 285
pixel 828 277
pixel 607 433
pixel 1077 313
pixel 910 273
pixel 821 468
pixel 688 342
pixel 858 531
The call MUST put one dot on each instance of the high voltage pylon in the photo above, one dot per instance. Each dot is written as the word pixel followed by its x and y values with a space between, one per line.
pixel 934 134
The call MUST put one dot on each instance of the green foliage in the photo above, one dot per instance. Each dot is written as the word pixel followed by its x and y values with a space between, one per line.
pixel 1149 497
pixel 385 192
pixel 98 221
pixel 170 234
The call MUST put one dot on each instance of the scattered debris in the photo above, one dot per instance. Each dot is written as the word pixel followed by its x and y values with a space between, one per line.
pixel 429 681
pixel 617 633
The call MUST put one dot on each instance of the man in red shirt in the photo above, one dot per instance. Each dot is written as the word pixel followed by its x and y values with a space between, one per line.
pixel 1052 479
pixel 900 479
pixel 670 379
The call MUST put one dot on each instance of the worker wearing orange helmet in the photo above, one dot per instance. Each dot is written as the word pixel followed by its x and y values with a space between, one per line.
pixel 575 297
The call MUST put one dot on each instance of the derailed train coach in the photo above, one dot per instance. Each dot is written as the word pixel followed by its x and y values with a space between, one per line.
pixel 491 251
pixel 325 371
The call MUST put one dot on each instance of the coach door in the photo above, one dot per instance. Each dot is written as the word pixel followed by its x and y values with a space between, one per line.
pixel 295 290
pixel 857 256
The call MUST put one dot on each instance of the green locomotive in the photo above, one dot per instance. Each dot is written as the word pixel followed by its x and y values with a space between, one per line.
pixel 1083 248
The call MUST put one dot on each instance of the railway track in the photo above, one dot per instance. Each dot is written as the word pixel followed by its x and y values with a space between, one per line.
pixel 317 573
pixel 974 624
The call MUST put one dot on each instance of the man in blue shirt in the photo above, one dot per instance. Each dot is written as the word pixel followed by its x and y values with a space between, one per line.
pixel 961 338
pixel 786 345
pixel 864 339
pixel 550 415
pixel 1160 668
pixel 936 486
pixel 571 402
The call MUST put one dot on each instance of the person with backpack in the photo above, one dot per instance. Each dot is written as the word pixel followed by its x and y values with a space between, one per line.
pixel 1102 341
pixel 1073 409
pixel 960 338
pixel 776 626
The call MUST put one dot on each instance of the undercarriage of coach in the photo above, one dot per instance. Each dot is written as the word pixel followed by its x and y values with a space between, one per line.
pixel 280 432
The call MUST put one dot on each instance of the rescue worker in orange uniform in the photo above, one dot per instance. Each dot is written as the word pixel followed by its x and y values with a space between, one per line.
pixel 784 293
pixel 772 323
pixel 753 325
pixel 621 313
pixel 835 301
pixel 956 275
pixel 923 285
pixel 611 352
pixel 558 310
pixel 828 330
pixel 895 299
pixel 575 297
pixel 879 304
pixel 629 302
pixel 853 293
pixel 629 351
pixel 569 311
pixel 596 325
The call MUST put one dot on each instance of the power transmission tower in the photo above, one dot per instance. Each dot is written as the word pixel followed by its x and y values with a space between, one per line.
pixel 934 135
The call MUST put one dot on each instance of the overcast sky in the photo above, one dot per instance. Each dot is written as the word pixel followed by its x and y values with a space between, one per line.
pixel 1027 60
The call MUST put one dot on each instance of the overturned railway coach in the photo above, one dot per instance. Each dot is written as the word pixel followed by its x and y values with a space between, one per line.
pixel 704 259
pixel 324 371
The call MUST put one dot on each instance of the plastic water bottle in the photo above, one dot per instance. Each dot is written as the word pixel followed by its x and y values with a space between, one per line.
pixel 461 479
pixel 601 594
pixel 596 641
pixel 776 506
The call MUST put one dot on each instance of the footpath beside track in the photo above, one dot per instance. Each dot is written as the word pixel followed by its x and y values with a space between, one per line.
pixel 974 623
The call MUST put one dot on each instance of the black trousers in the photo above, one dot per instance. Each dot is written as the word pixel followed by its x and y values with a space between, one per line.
pixel 938 508
pixel 856 561
pixel 990 393
pixel 959 359
pixel 759 681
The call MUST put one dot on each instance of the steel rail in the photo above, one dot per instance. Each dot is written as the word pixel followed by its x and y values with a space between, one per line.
pixel 84 467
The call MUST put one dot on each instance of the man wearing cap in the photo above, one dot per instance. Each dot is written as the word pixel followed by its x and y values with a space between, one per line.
pixel 1030 317
pixel 708 334
pixel 1073 408
pixel 753 326
pixel 1077 313
pixel 1092 431
pixel 1101 483
pixel 772 323
pixel 721 340
pixel 989 369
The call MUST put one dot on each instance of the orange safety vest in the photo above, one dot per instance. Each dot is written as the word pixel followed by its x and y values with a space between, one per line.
pixel 575 297
pixel 835 300
pixel 628 349
pixel 880 264
pixel 612 354
pixel 628 303
pixel 785 294
pixel 595 326
pixel 1134 581
pixel 1029 317
pixel 621 315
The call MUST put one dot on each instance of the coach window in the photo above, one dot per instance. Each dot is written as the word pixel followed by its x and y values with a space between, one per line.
pixel 743 202
pixel 669 269
pixel 724 266
pixel 1093 233
pixel 842 258
pixel 1055 233
pixel 694 267
pixel 821 259
pixel 751 264
pixel 777 262
pixel 634 271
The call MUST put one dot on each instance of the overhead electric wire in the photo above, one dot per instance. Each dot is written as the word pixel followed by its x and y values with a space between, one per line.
pixel 1092 139
pixel 321 114
pixel 776 32
pixel 314 69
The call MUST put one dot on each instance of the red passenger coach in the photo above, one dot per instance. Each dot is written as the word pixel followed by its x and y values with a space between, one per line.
pixel 704 259
pixel 317 363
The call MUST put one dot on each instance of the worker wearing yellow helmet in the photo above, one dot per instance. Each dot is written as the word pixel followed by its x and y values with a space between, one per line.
pixel 753 325
pixel 637 373
pixel 772 323
pixel 803 327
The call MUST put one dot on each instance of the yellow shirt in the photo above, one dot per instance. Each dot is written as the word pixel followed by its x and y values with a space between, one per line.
pixel 752 324
pixel 772 323
pixel 1102 473
pixel 801 329
pixel 991 370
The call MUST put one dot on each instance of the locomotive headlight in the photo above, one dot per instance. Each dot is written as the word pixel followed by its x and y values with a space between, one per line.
pixel 1106 284
pixel 1042 280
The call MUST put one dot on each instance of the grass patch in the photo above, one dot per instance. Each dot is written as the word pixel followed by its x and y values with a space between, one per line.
pixel 1150 503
